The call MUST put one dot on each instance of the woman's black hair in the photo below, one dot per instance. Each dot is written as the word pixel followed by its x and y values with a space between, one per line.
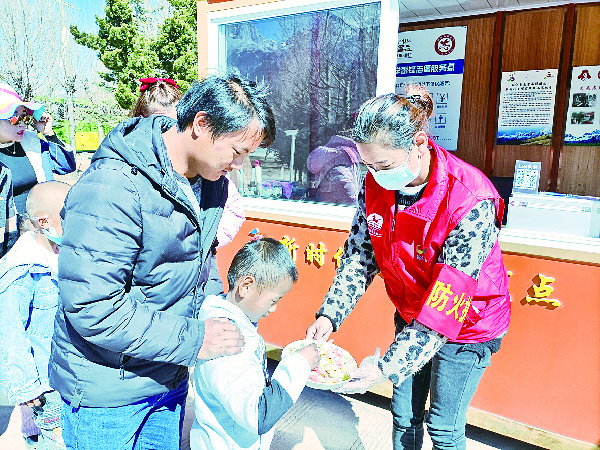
pixel 392 120
pixel 157 98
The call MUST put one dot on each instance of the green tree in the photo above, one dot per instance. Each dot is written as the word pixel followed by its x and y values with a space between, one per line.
pixel 176 44
pixel 122 48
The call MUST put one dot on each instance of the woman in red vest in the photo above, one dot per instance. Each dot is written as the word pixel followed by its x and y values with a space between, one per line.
pixel 428 223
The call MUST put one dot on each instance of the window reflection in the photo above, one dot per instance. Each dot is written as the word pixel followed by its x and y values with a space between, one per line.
pixel 320 67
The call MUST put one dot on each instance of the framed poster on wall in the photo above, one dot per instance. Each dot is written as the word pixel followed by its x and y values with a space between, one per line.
pixel 583 116
pixel 526 111
pixel 435 59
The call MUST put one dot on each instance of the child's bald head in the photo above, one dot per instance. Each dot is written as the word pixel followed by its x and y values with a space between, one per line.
pixel 46 199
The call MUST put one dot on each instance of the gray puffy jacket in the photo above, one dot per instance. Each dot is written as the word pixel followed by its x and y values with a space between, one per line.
pixel 132 266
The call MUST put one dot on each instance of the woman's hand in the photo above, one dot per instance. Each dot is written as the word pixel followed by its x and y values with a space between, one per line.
pixel 320 329
pixel 367 375
pixel 44 125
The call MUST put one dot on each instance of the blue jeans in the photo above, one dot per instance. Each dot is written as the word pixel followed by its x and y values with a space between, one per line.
pixel 151 424
pixel 452 376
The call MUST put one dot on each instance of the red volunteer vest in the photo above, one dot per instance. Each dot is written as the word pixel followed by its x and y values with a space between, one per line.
pixel 407 248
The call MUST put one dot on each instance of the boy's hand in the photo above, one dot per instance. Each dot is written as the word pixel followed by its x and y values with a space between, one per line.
pixel 311 353
pixel 221 338
pixel 31 403
pixel 320 329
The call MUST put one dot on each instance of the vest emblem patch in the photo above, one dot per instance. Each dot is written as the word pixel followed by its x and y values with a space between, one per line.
pixel 374 223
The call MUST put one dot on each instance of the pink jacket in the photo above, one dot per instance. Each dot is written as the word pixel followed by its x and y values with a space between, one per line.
pixel 436 294
pixel 233 216
pixel 335 166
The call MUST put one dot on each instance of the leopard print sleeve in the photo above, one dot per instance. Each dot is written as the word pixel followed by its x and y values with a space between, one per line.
pixel 469 244
pixel 356 271
pixel 413 347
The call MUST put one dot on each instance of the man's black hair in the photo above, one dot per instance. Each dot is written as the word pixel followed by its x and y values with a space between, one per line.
pixel 230 104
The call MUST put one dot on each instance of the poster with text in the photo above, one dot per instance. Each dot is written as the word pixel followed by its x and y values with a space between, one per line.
pixel 583 116
pixel 435 59
pixel 526 111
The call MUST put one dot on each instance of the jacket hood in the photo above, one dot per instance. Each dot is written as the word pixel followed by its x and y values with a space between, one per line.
pixel 339 151
pixel 29 255
pixel 138 142
pixel 219 306
pixel 134 142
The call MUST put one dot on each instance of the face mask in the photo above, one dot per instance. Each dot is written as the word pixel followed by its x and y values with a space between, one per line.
pixel 52 235
pixel 395 179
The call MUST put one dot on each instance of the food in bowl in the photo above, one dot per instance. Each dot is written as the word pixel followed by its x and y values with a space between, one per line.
pixel 334 367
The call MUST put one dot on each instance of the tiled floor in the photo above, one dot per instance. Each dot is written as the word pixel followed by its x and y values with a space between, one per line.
pixel 324 420
pixel 320 420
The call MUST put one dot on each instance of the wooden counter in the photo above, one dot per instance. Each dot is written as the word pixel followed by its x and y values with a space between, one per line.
pixel 542 387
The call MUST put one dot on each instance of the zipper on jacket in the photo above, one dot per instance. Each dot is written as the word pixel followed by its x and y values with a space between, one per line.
pixel 396 200
pixel 121 366
pixel 122 363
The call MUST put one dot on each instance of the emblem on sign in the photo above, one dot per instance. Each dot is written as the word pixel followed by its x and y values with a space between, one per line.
pixel 445 44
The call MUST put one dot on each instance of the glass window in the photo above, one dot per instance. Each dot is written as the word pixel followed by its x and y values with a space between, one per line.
pixel 320 66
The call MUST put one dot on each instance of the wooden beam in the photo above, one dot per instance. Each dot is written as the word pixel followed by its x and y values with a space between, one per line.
pixel 496 66
pixel 560 110
pixel 523 432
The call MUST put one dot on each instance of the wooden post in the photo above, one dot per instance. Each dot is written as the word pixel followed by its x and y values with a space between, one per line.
pixel 496 67
pixel 560 110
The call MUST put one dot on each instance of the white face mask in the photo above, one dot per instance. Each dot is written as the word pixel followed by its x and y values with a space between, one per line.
pixel 52 235
pixel 396 179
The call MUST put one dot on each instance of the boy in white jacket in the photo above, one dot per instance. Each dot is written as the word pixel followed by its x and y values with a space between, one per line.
pixel 236 404
pixel 28 303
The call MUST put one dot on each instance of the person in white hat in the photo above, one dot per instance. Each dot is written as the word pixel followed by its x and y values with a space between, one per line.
pixel 28 146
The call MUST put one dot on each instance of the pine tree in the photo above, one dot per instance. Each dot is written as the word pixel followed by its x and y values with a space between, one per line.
pixel 122 48
pixel 176 44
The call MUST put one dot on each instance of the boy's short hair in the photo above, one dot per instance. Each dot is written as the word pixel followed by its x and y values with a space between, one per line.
pixel 265 259
pixel 230 104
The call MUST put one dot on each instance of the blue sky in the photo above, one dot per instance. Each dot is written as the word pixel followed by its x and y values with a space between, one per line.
pixel 88 10
pixel 85 11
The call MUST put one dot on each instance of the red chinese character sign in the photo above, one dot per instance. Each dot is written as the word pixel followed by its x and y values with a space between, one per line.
pixel 540 291
pixel 291 245
pixel 583 117
pixel 315 254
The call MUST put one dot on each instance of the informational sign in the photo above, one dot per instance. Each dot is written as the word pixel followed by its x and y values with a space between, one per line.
pixel 527 177
pixel 435 59
pixel 583 116
pixel 526 109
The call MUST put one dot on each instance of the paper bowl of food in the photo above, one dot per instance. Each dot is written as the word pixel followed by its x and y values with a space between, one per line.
pixel 334 368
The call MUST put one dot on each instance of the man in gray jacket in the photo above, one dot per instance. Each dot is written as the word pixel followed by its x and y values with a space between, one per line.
pixel 139 237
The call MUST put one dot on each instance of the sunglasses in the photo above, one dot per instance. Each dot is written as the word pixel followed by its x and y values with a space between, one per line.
pixel 26 120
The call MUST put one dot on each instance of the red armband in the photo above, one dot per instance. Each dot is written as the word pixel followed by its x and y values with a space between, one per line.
pixel 447 301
